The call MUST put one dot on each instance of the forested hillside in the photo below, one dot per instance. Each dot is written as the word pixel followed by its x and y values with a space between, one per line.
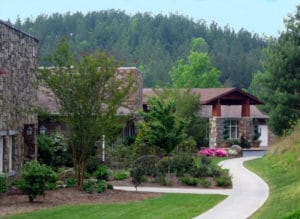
pixel 152 43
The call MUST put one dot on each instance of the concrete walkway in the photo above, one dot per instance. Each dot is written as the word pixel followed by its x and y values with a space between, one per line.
pixel 248 194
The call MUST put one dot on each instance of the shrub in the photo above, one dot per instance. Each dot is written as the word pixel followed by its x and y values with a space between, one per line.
pixel 35 179
pixel 45 152
pixel 187 146
pixel 92 164
pixel 206 152
pixel 162 180
pixel 210 152
pixel 3 184
pixel 244 142
pixel 137 176
pixel 177 164
pixel 190 181
pixel 59 149
pixel 102 173
pixel 224 180
pixel 122 156
pixel 205 183
pixel 71 182
pixel 148 163
pixel 120 175
pixel 88 186
pixel 144 179
pixel 110 186
pixel 203 167
pixel 52 150
pixel 101 186
pixel 232 152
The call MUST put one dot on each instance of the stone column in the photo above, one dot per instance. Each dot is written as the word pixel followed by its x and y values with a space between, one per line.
pixel 246 128
pixel 216 131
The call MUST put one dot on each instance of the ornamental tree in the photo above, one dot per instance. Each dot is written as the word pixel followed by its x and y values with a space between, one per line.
pixel 88 93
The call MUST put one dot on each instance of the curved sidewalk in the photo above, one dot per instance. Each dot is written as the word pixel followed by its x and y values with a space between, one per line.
pixel 248 194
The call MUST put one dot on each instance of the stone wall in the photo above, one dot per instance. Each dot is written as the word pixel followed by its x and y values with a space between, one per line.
pixel 246 128
pixel 216 131
pixel 18 96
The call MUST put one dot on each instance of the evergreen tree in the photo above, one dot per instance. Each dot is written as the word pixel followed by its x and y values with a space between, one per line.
pixel 154 42
pixel 280 84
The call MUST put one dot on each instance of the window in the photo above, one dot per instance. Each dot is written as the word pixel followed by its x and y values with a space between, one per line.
pixel 233 128
pixel 1 154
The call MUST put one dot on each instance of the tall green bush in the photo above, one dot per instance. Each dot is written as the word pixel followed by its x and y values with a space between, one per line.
pixel 35 179
pixel 102 173
pixel 52 150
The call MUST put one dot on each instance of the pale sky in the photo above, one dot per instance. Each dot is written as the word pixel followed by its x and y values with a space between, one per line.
pixel 264 17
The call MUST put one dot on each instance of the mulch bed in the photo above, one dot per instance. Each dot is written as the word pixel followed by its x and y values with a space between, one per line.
pixel 14 201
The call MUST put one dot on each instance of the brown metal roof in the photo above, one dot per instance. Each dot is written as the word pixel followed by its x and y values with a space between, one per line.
pixel 209 95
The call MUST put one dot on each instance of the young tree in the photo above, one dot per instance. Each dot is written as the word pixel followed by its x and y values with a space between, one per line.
pixel 88 94
pixel 161 126
pixel 197 71
pixel 188 107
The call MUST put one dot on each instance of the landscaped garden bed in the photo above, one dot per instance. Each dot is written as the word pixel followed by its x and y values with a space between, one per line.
pixel 14 201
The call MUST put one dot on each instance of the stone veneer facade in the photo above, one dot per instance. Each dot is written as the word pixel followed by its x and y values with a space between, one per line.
pixel 245 125
pixel 18 97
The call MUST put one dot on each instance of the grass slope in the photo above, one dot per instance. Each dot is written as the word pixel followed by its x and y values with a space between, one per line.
pixel 281 170
pixel 166 206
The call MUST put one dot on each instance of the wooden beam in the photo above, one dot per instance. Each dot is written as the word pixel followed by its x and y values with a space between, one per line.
pixel 216 108
pixel 246 108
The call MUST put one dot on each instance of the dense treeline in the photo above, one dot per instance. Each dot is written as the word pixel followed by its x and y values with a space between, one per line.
pixel 152 43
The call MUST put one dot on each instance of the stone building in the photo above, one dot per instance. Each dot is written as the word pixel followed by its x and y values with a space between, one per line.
pixel 18 97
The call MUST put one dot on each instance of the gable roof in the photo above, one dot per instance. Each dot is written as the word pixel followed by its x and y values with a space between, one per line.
pixel 210 95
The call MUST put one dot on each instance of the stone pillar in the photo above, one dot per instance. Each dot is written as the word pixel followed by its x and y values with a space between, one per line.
pixel 216 131
pixel 246 128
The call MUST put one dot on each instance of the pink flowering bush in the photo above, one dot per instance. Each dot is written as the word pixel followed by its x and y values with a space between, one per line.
pixel 210 152
pixel 220 152
pixel 206 152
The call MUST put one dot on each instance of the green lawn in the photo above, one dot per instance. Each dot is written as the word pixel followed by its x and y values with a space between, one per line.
pixel 281 170
pixel 166 206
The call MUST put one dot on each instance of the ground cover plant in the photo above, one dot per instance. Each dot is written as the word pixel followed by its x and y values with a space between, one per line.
pixel 165 206
pixel 280 169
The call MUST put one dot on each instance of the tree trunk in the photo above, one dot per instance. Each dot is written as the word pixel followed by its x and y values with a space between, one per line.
pixel 79 172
